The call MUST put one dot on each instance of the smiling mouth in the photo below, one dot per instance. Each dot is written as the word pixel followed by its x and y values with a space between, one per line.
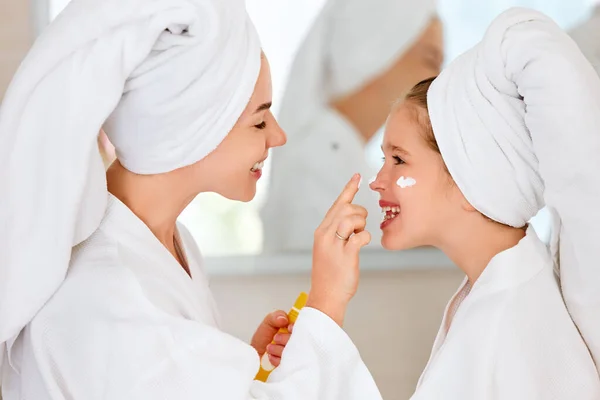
pixel 390 212
pixel 258 166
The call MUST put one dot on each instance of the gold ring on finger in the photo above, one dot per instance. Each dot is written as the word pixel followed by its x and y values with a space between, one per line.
pixel 337 235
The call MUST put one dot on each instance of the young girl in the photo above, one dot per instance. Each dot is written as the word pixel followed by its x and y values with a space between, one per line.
pixel 470 157
pixel 102 294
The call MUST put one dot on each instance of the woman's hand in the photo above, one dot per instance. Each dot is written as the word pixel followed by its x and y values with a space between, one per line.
pixel 338 241
pixel 267 332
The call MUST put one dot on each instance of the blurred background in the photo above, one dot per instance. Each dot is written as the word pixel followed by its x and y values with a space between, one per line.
pixel 328 57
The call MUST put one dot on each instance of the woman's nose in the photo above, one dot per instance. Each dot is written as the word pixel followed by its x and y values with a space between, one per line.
pixel 277 136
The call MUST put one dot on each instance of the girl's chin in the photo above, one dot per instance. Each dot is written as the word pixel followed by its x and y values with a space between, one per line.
pixel 395 242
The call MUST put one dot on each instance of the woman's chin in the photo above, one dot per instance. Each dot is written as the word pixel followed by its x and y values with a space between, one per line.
pixel 248 195
pixel 245 196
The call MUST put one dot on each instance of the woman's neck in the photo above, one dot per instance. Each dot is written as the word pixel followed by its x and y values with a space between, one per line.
pixel 472 247
pixel 155 199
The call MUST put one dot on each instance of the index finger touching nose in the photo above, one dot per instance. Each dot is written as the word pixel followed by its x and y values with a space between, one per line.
pixel 350 190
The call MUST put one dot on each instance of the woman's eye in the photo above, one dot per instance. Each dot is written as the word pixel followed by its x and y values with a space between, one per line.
pixel 262 125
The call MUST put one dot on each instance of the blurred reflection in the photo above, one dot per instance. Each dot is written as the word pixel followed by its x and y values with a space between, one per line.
pixel 587 36
pixel 356 60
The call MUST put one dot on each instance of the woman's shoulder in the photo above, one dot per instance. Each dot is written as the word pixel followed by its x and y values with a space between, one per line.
pixel 98 285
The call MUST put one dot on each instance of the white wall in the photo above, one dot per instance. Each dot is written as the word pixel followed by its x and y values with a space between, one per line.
pixel 16 33
pixel 393 319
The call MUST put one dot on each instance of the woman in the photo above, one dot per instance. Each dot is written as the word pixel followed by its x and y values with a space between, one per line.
pixel 470 157
pixel 358 57
pixel 102 295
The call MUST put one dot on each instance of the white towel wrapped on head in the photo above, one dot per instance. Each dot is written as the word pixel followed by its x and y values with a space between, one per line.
pixel 517 120
pixel 169 77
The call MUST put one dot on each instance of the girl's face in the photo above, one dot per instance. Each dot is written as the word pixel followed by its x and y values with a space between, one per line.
pixel 419 200
pixel 234 168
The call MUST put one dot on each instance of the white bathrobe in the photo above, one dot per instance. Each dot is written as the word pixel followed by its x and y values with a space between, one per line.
pixel 351 43
pixel 511 337
pixel 129 323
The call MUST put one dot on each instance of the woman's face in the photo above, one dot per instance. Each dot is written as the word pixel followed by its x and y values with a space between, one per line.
pixel 425 57
pixel 234 168
pixel 419 200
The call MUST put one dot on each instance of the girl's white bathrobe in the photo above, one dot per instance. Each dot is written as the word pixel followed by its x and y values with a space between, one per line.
pixel 510 336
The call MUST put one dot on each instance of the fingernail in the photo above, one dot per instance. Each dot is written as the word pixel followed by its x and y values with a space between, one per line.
pixel 359 182
pixel 355 177
pixel 281 318
pixel 291 328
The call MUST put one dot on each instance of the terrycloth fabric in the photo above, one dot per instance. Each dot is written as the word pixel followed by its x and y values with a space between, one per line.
pixel 587 37
pixel 517 120
pixel 351 43
pixel 128 323
pixel 171 77
pixel 511 337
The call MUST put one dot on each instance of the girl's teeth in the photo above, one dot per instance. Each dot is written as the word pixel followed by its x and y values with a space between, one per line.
pixel 390 216
pixel 390 212
pixel 257 166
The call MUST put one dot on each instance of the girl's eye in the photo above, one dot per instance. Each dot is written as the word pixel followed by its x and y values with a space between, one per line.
pixel 398 160
pixel 262 125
